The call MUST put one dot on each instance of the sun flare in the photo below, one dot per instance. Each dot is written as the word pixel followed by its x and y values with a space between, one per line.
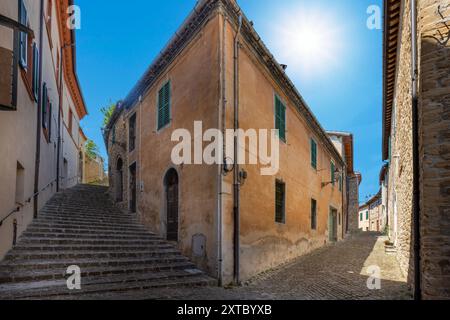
pixel 309 41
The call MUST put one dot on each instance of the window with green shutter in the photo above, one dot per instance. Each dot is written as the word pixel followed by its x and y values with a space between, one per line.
pixel 280 118
pixel 333 172
pixel 23 38
pixel 313 154
pixel 360 216
pixel 164 106
pixel 35 71
pixel 367 215
pixel 280 197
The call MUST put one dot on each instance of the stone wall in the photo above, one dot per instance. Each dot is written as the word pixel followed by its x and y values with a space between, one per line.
pixel 353 203
pixel 434 108
pixel 117 149
pixel 434 126
pixel 94 171
pixel 400 173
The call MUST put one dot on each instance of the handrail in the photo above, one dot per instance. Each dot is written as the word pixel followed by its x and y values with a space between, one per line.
pixel 17 209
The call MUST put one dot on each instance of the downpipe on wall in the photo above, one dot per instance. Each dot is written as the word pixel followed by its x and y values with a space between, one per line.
pixel 221 170
pixel 416 172
pixel 236 186
pixel 38 125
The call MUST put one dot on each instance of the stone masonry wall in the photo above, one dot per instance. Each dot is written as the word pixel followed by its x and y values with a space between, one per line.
pixel 116 150
pixel 401 177
pixel 353 203
pixel 434 109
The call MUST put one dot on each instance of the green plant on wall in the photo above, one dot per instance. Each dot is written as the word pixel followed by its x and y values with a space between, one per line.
pixel 107 113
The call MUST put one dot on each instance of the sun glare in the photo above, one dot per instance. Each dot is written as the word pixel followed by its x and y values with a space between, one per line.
pixel 310 41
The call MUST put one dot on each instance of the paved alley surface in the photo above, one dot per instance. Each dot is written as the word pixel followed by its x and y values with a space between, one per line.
pixel 335 272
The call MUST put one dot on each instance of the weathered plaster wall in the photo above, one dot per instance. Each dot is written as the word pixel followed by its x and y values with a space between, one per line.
pixel 18 131
pixel 194 78
pixel 265 243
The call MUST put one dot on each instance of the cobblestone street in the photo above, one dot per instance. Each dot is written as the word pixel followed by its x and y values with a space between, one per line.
pixel 335 272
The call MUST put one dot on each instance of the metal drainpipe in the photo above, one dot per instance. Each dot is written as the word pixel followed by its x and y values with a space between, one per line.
pixel 236 195
pixel 222 125
pixel 58 152
pixel 38 126
pixel 416 173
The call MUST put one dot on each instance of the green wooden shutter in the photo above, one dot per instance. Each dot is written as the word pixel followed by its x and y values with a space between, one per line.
pixel 313 154
pixel 280 118
pixel 164 106
pixel 35 71
pixel 332 173
pixel 23 35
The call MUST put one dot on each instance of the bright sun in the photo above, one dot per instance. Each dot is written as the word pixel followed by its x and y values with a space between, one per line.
pixel 309 41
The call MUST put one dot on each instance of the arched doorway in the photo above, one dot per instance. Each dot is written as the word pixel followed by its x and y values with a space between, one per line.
pixel 171 186
pixel 119 180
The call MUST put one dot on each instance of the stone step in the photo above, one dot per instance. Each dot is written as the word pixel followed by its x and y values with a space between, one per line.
pixel 72 235
pixel 121 231
pixel 46 233
pixel 59 274
pixel 91 241
pixel 68 209
pixel 81 247
pixel 86 228
pixel 85 225
pixel 94 288
pixel 24 255
pixel 63 264
pixel 76 217
pixel 116 253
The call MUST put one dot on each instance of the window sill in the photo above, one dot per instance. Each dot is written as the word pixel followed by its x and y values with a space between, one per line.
pixel 24 74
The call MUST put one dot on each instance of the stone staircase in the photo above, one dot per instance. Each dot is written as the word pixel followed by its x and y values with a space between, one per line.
pixel 116 255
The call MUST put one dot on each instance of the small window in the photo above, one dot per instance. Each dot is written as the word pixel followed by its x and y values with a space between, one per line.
pixel 313 214
pixel 313 154
pixel 280 118
pixel 360 216
pixel 280 198
pixel 340 183
pixel 132 133
pixel 367 215
pixel 164 106
pixel 23 17
pixel 333 173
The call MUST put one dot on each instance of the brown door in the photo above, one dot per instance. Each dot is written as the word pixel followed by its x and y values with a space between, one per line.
pixel 133 188
pixel 171 182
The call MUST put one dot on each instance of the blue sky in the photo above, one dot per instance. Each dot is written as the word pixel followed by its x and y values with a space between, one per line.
pixel 341 79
